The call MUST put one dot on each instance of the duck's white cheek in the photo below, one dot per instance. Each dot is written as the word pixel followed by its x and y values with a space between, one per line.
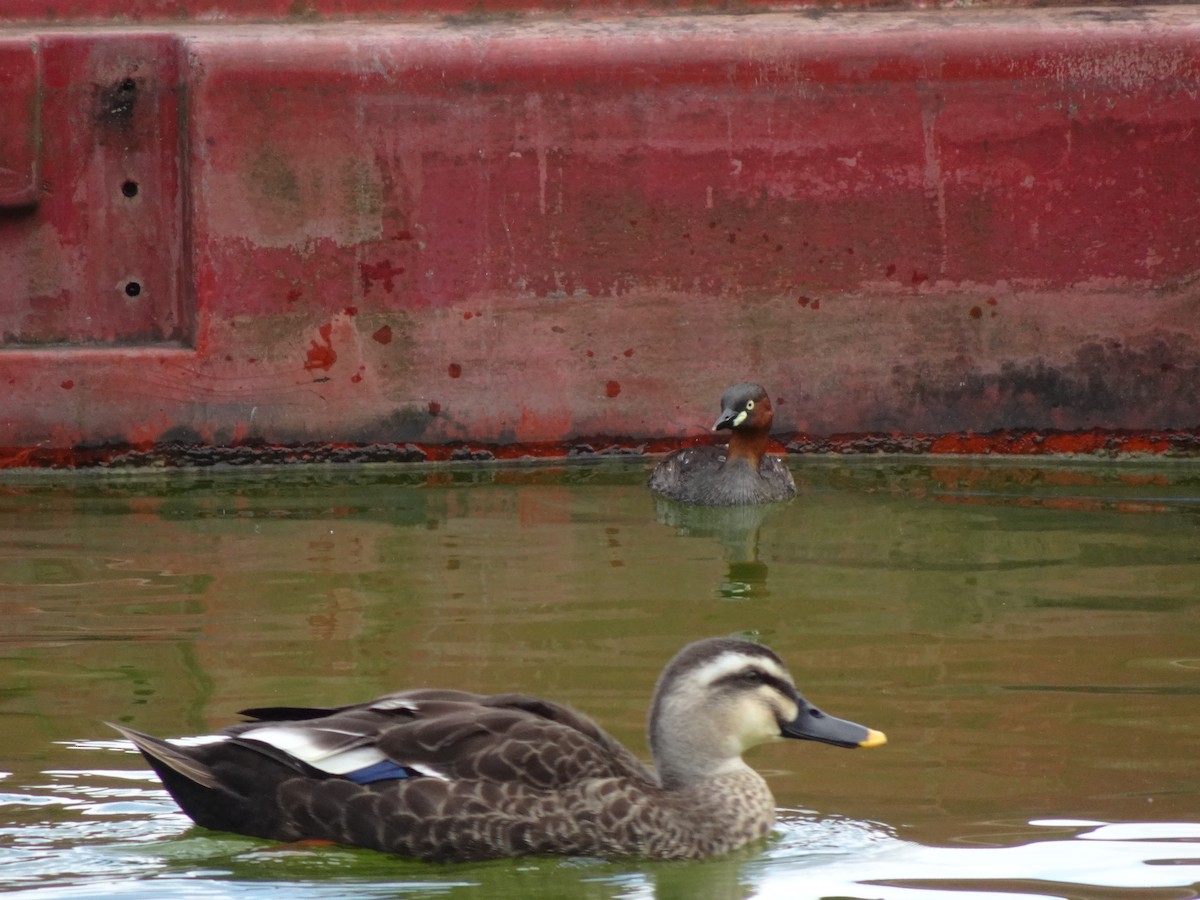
pixel 756 725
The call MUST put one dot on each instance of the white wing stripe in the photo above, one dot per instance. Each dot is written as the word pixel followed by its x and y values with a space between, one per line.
pixel 432 773
pixel 351 761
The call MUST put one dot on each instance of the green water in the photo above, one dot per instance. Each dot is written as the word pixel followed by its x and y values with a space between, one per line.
pixel 1027 635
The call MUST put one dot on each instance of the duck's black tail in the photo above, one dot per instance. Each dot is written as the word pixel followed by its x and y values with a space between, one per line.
pixel 223 800
pixel 159 754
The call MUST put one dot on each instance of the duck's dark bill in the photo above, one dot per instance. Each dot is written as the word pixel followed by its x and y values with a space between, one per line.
pixel 814 725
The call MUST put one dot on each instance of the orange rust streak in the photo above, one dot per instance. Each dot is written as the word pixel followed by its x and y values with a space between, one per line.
pixel 1002 443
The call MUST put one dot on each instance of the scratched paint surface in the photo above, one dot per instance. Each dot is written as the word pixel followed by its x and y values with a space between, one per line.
pixel 1026 636
pixel 566 232
pixel 311 11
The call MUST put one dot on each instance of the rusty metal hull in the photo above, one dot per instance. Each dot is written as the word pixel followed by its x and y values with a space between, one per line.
pixel 528 236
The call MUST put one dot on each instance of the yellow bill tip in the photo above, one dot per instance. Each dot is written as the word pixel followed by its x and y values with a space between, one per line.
pixel 873 739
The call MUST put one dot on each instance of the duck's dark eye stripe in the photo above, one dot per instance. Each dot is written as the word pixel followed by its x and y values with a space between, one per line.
pixel 779 684
pixel 755 676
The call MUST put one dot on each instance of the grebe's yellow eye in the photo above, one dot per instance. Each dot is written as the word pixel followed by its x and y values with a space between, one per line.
pixel 749 405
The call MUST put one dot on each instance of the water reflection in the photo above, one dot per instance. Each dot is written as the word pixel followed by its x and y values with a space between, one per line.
pixel 1127 860
pixel 127 840
pixel 736 529
pixel 1026 635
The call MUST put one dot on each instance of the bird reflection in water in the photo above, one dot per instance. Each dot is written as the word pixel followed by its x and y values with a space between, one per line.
pixel 736 529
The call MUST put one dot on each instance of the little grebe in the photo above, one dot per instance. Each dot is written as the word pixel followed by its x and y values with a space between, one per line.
pixel 736 475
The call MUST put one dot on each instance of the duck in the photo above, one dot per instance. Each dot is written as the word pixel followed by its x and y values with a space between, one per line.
pixel 738 475
pixel 447 775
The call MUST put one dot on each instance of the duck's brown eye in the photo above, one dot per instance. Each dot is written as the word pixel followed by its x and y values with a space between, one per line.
pixel 752 676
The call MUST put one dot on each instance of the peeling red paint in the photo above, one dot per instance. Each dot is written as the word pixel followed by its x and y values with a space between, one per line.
pixel 1040 444
pixel 435 408
pixel 383 272
pixel 385 11
pixel 688 188
pixel 322 355
pixel 1103 443
pixel 68 384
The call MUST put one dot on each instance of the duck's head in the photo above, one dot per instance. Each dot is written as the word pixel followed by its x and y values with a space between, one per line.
pixel 719 697
pixel 745 407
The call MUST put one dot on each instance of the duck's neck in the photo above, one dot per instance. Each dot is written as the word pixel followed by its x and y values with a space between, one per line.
pixel 748 444
pixel 689 750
